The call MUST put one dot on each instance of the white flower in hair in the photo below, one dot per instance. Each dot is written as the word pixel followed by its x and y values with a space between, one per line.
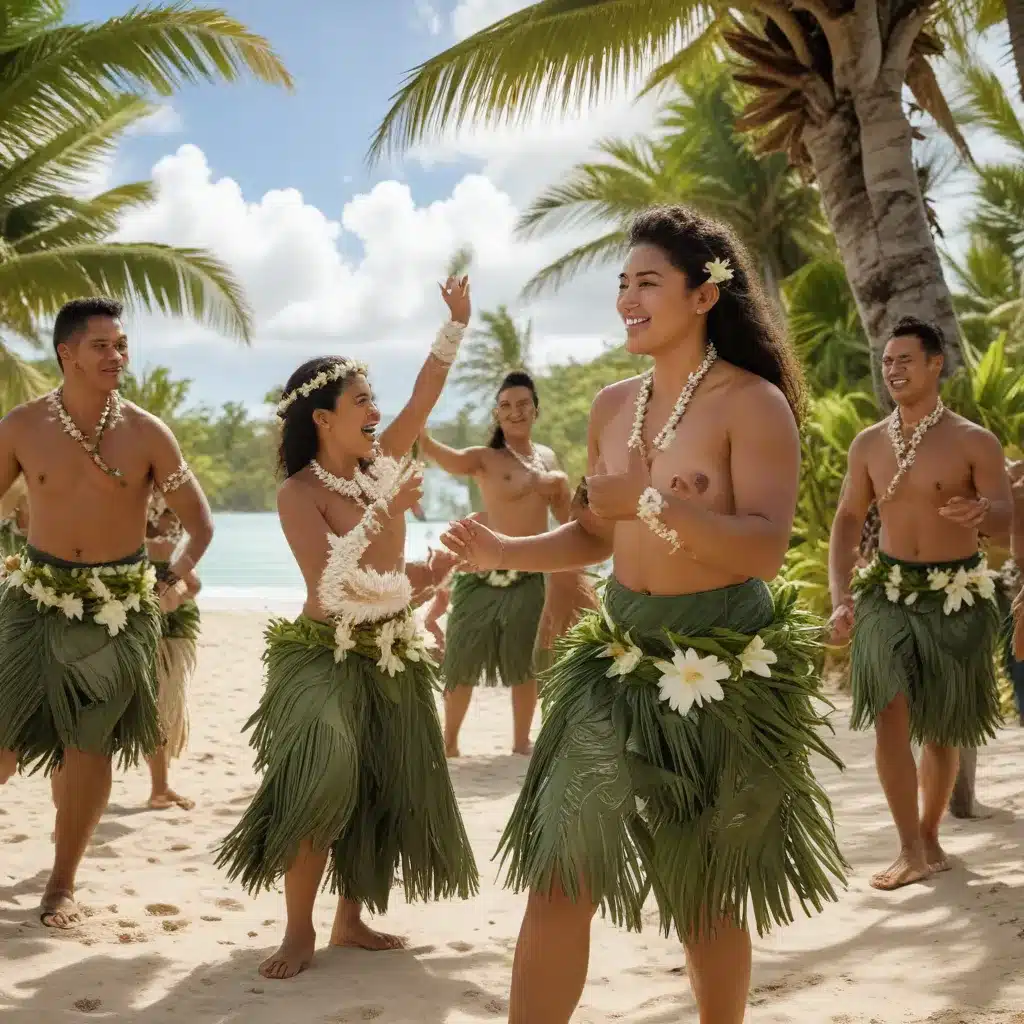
pixel 718 271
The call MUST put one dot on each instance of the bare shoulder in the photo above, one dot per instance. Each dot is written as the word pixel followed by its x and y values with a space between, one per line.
pixel 295 492
pixel 979 439
pixel 149 426
pixel 754 401
pixel 611 398
pixel 869 438
pixel 25 417
pixel 547 456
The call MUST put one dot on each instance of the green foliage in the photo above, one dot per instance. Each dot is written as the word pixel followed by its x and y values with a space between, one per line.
pixel 491 352
pixel 68 93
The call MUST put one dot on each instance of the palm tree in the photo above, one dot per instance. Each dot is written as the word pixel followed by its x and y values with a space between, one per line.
pixel 827 78
pixel 67 95
pixel 491 352
pixel 698 157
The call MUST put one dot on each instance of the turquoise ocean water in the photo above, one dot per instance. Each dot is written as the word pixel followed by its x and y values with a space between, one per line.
pixel 250 568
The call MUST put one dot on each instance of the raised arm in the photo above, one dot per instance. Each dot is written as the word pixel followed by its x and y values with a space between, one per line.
pixel 399 435
pixel 456 461
pixel 181 491
pixel 765 471
pixel 585 540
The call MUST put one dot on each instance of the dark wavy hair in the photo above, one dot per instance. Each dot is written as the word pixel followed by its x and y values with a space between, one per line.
pixel 74 315
pixel 933 341
pixel 515 379
pixel 299 439
pixel 743 325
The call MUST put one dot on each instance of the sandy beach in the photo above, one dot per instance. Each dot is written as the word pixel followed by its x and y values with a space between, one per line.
pixel 169 939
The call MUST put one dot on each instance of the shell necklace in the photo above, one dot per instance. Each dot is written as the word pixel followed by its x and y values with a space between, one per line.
pixel 667 433
pixel 109 417
pixel 533 464
pixel 364 488
pixel 906 452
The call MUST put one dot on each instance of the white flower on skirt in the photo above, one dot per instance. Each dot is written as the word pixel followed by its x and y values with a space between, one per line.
pixel 625 658
pixel 99 588
pixel 43 594
pixel 133 602
pixel 113 615
pixel 910 598
pixel 892 585
pixel 343 640
pixel 757 659
pixel 958 592
pixel 938 579
pixel 690 679
pixel 984 582
pixel 71 606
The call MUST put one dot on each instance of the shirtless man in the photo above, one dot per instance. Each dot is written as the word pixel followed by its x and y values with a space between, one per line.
pixel 923 613
pixel 77 678
pixel 494 617
pixel 692 490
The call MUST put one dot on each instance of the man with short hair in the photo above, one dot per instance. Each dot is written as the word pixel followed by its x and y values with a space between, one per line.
pixel 79 613
pixel 923 613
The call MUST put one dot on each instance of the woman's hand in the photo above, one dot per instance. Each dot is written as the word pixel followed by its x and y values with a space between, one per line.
pixel 616 496
pixel 409 495
pixel 473 545
pixel 455 292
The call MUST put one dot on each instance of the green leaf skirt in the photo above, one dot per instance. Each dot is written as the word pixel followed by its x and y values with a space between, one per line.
pixel 176 663
pixel 353 760
pixel 66 682
pixel 714 812
pixel 944 664
pixel 492 630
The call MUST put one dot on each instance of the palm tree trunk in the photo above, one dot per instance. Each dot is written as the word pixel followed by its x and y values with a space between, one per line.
pixel 1015 21
pixel 863 160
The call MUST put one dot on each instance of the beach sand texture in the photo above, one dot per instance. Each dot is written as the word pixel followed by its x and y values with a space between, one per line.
pixel 169 939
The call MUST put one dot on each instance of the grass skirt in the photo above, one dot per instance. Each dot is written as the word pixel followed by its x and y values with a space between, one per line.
pixel 12 540
pixel 712 809
pixel 67 682
pixel 176 662
pixel 943 663
pixel 567 596
pixel 492 629
pixel 352 759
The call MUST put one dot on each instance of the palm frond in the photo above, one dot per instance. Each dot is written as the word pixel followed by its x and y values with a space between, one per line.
pixel 158 48
pixel 19 381
pixel 564 52
pixel 144 275
pixel 608 247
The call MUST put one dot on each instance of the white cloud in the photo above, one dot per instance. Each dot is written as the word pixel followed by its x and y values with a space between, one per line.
pixel 164 120
pixel 427 16
pixel 470 16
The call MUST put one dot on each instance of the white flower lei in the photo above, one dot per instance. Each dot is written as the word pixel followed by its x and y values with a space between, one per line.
pixel 906 453
pixel 648 511
pixel 500 577
pixel 667 433
pixel 352 595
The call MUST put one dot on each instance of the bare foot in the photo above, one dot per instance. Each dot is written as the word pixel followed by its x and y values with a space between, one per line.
pixel 523 749
pixel 58 909
pixel 905 870
pixel 167 799
pixel 936 857
pixel 358 935
pixel 293 957
pixel 452 750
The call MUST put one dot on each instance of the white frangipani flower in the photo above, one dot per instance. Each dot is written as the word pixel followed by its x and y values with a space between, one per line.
pixel 757 659
pixel 343 640
pixel 984 582
pixel 690 679
pixel 625 658
pixel 113 615
pixel 939 579
pixel 99 589
pixel 958 592
pixel 718 270
pixel 73 607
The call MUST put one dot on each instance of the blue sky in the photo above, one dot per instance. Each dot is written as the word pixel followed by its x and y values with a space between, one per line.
pixel 338 256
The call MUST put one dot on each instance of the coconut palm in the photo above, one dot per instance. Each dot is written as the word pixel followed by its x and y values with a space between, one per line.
pixel 828 84
pixel 67 95
pixel 492 351
pixel 697 157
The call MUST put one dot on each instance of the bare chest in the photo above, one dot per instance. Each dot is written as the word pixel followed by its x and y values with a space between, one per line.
pixel 940 470
pixel 697 453
pixel 386 550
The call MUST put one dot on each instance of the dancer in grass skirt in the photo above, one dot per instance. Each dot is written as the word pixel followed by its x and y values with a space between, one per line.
pixel 176 653
pixel 494 617
pixel 924 611
pixel 347 736
pixel 679 720
pixel 79 613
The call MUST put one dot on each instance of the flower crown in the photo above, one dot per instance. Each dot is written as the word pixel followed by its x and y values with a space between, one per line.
pixel 718 271
pixel 342 368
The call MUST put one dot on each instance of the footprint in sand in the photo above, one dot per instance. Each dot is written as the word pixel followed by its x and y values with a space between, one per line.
pixel 87 1005
pixel 162 910
pixel 207 917
pixel 175 926
pixel 460 947
pixel 16 839
pixel 370 1013
pixel 179 847
pixel 227 903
